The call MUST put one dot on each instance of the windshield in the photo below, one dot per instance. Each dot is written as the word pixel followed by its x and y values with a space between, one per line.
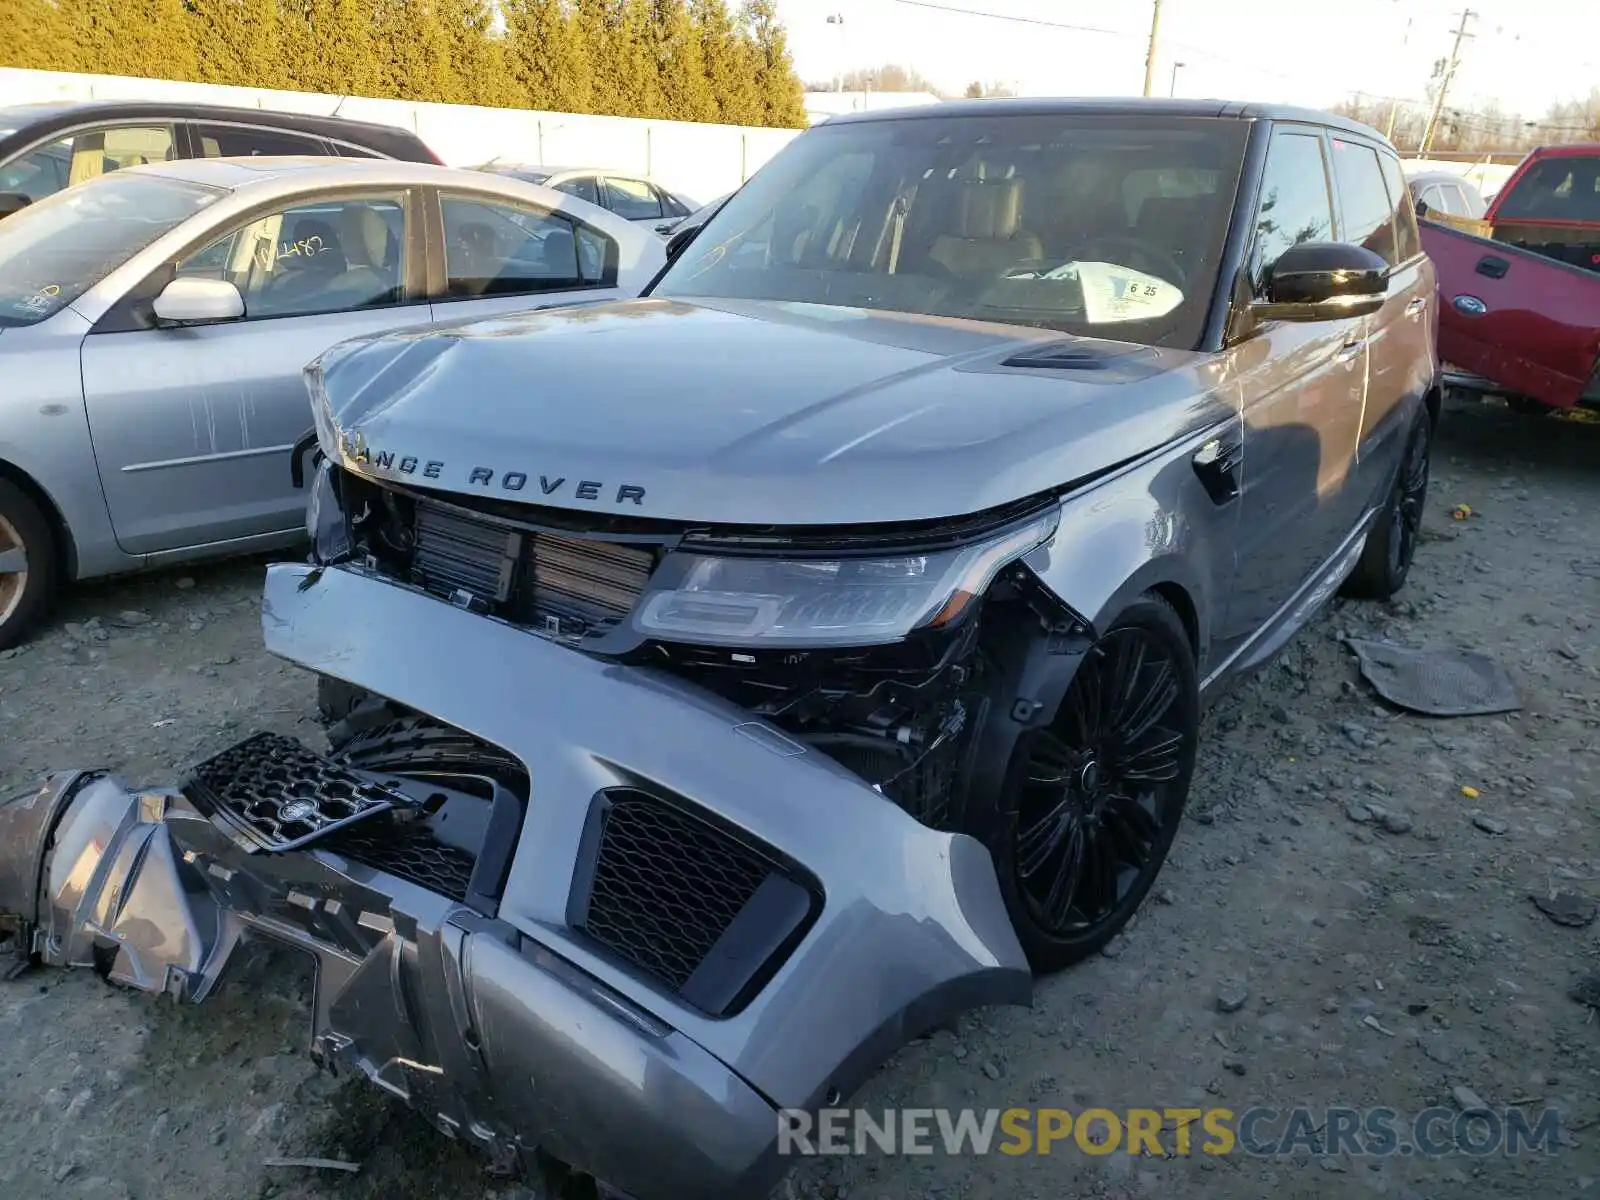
pixel 1555 189
pixel 54 251
pixel 1106 225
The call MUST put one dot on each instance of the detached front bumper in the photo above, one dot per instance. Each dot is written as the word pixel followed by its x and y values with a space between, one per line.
pixel 525 1022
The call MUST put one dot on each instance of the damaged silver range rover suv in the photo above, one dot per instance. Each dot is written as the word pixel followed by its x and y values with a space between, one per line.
pixel 729 685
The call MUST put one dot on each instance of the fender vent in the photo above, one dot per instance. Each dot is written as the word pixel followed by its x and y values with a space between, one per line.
pixel 682 900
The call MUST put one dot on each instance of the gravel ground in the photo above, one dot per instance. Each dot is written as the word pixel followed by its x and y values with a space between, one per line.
pixel 1340 924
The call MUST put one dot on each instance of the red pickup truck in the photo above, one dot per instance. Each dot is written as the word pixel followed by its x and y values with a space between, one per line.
pixel 1520 305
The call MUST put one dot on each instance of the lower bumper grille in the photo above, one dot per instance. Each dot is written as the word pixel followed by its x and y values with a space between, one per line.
pixel 686 902
pixel 412 854
pixel 567 586
pixel 278 795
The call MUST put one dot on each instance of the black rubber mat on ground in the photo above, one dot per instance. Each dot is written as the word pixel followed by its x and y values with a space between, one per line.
pixel 1436 680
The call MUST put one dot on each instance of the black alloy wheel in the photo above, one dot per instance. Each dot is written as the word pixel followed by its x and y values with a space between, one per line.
pixel 1392 542
pixel 1406 506
pixel 1098 795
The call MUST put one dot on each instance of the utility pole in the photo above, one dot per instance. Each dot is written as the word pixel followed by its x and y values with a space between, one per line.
pixel 1150 56
pixel 1444 80
pixel 1394 106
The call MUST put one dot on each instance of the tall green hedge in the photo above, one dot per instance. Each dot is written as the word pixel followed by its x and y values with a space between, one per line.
pixel 686 60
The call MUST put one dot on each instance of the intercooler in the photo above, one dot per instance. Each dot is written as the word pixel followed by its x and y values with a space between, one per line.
pixel 566 586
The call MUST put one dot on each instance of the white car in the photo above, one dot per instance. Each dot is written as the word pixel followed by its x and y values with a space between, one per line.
pixel 154 323
pixel 634 197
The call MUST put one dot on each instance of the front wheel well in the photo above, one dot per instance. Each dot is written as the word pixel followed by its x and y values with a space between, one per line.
pixel 66 548
pixel 1182 604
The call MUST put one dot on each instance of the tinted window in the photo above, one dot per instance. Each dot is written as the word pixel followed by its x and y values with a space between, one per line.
pixel 1014 218
pixel 223 141
pixel 54 251
pixel 1555 189
pixel 583 187
pixel 1295 206
pixel 1368 216
pixel 502 249
pixel 1404 214
pixel 315 257
pixel 632 198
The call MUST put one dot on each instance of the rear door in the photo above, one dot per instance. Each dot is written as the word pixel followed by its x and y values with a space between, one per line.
pixel 1302 386
pixel 1400 353
pixel 193 426
pixel 502 255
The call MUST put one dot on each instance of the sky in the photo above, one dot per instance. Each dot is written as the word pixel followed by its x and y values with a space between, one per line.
pixel 1526 55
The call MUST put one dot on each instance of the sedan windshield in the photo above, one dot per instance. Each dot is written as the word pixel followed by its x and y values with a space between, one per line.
pixel 54 251
pixel 1101 224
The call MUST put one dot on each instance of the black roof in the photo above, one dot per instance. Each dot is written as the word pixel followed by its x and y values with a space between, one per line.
pixel 388 139
pixel 1134 106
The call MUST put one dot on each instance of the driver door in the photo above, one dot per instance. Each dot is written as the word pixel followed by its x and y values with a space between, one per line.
pixel 193 426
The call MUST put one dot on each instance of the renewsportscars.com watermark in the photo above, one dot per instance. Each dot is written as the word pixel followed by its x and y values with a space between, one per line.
pixel 1168 1132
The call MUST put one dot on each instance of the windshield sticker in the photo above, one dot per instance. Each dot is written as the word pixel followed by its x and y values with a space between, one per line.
pixel 41 301
pixel 1114 293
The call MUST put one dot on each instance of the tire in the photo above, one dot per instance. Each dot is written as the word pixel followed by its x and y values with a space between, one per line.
pixel 24 597
pixel 1527 406
pixel 1103 786
pixel 337 699
pixel 1392 541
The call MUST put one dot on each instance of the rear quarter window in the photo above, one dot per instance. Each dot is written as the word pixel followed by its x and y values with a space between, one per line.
pixel 1555 189
pixel 1364 198
pixel 1408 242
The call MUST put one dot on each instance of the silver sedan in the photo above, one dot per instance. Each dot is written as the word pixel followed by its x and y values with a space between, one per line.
pixel 154 323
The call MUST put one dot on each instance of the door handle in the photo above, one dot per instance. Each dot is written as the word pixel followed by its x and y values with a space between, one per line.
pixel 1416 306
pixel 1349 350
pixel 1493 266
pixel 1217 464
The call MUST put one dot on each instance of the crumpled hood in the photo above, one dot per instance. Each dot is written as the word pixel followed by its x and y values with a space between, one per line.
pixel 748 412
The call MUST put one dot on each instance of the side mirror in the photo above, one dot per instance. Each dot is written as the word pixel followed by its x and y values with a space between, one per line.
pixel 187 301
pixel 1324 281
pixel 13 202
pixel 679 241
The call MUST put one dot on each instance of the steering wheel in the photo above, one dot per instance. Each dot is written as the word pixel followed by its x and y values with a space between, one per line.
pixel 1154 258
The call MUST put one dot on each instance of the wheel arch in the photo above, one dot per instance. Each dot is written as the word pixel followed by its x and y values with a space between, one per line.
pixel 66 546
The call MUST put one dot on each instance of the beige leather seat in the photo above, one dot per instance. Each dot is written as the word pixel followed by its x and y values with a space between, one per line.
pixel 985 237
pixel 364 236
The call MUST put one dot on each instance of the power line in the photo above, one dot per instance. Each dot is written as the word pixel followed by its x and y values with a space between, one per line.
pixel 997 16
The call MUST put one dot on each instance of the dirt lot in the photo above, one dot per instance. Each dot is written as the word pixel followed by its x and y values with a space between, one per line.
pixel 1368 925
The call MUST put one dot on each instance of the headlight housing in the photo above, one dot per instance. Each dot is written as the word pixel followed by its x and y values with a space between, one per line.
pixel 726 600
pixel 325 523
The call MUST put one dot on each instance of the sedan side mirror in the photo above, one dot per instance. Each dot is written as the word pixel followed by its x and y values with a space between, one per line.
pixel 13 202
pixel 188 301
pixel 1324 281
pixel 678 242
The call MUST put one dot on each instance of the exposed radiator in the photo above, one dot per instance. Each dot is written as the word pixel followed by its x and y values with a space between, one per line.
pixel 563 585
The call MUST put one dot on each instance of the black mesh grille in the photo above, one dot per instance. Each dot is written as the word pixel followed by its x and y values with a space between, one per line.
pixel 280 795
pixel 410 853
pixel 561 584
pixel 666 885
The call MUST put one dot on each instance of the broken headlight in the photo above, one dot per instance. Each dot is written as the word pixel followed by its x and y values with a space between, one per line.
pixel 325 523
pixel 726 600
